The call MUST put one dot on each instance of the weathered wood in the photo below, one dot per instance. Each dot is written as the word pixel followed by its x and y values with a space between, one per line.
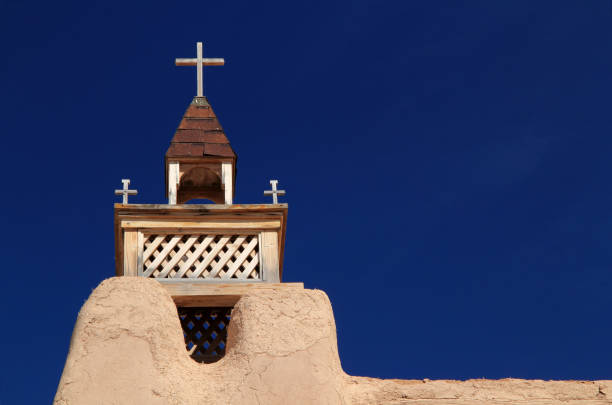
pixel 151 248
pixel 125 192
pixel 178 256
pixel 130 251
pixel 160 256
pixel 202 225
pixel 207 208
pixel 269 252
pixel 228 182
pixel 194 61
pixel 173 180
pixel 218 294
pixel 140 253
pixel 199 62
pixel 208 220
pixel 201 231
pixel 250 267
pixel 213 253
pixel 274 192
pixel 241 258
pixel 225 257
pixel 200 70
pixel 195 255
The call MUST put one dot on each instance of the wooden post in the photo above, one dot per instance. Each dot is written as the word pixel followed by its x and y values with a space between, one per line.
pixel 173 179
pixel 200 70
pixel 130 253
pixel 228 181
pixel 269 250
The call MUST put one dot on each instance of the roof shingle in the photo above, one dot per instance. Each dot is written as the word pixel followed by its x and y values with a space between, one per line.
pixel 199 134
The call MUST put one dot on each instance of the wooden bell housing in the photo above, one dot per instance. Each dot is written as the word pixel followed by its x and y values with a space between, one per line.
pixel 200 162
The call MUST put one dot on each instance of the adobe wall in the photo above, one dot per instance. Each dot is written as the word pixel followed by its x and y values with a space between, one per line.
pixel 127 348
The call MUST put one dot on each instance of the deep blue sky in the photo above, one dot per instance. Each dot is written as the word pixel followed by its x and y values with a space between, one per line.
pixel 447 168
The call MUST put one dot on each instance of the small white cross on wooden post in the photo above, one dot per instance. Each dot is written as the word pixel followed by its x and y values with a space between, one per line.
pixel 200 62
pixel 125 191
pixel 274 192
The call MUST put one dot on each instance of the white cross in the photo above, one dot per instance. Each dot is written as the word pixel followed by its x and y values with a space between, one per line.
pixel 274 192
pixel 200 62
pixel 125 191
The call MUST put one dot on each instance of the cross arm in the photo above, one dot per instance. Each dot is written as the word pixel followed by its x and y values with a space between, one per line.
pixel 129 192
pixel 272 192
pixel 205 61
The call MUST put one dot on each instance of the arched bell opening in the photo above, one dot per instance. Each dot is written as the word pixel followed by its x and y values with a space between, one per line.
pixel 200 183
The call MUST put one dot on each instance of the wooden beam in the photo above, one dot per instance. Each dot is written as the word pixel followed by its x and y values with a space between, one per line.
pixel 212 294
pixel 205 61
pixel 190 218
pixel 200 70
pixel 209 208
pixel 205 225
pixel 269 252
pixel 228 182
pixel 206 301
pixel 130 252
pixel 173 180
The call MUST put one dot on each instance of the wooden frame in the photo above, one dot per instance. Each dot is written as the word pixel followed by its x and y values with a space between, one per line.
pixel 207 252
pixel 218 294
pixel 268 222
pixel 226 169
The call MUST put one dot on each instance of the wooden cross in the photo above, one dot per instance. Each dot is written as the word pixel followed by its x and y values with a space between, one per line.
pixel 274 192
pixel 125 191
pixel 200 62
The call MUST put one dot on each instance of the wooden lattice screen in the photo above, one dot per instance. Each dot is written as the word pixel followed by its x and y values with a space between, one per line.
pixel 206 329
pixel 200 256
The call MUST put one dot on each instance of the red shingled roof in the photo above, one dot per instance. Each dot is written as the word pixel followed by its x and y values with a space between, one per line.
pixel 199 134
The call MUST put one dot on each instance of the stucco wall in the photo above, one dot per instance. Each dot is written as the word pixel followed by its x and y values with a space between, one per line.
pixel 127 348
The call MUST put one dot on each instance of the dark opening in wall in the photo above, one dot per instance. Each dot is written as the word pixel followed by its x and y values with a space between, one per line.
pixel 205 331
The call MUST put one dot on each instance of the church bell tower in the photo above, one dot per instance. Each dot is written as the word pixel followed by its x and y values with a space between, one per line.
pixel 205 255
pixel 200 163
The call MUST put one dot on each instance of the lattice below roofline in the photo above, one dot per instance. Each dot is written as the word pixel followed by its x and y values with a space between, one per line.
pixel 199 256
pixel 206 329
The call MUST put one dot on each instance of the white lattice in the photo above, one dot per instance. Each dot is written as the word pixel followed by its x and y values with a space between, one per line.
pixel 200 256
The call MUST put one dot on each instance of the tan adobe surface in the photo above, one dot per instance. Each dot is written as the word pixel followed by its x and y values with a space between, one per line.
pixel 127 348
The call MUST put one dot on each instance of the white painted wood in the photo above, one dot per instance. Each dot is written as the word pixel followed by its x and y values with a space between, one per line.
pixel 228 181
pixel 274 192
pixel 194 61
pixel 199 62
pixel 125 191
pixel 200 69
pixel 173 180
